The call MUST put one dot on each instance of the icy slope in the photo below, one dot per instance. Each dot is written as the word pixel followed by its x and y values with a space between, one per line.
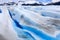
pixel 6 29
pixel 31 18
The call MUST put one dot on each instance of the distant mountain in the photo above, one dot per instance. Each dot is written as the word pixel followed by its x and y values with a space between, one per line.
pixel 1 4
pixel 35 4
pixel 56 3
pixel 9 3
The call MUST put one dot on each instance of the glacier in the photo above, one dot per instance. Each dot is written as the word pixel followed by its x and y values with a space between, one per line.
pixel 43 19
pixel 19 22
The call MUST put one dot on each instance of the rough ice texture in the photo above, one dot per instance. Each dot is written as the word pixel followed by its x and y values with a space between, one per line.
pixel 38 21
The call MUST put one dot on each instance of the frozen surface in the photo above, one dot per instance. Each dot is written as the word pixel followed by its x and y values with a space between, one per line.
pixel 41 22
pixel 30 23
pixel 6 30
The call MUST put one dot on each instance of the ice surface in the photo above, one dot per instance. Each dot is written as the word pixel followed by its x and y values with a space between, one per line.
pixel 6 30
pixel 30 22
pixel 44 20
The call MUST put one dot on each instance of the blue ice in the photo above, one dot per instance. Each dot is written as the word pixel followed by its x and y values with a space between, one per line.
pixel 16 15
pixel 44 0
pixel 0 11
pixel 48 14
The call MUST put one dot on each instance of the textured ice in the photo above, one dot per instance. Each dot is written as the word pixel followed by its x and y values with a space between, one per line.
pixel 37 22
pixel 30 22
pixel 6 30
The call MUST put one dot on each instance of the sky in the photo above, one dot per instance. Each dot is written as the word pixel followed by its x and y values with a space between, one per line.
pixel 2 1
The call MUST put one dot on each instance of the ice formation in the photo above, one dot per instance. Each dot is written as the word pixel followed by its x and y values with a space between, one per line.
pixel 19 22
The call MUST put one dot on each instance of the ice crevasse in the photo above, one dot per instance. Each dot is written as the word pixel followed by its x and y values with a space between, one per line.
pixel 30 23
pixel 37 23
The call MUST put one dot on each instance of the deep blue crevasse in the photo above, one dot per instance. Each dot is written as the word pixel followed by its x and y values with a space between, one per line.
pixel 19 26
pixel 37 32
pixel 0 11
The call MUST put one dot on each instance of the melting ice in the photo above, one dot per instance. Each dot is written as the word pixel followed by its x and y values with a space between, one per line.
pixel 40 20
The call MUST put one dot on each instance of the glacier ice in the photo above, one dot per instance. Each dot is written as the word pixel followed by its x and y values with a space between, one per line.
pixel 31 18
